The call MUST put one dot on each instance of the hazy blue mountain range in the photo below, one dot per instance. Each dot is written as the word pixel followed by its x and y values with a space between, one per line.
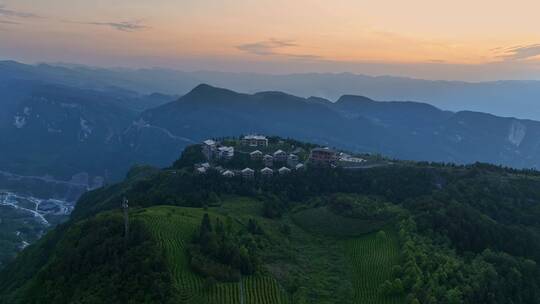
pixel 65 121
pixel 504 98
pixel 404 130
pixel 62 131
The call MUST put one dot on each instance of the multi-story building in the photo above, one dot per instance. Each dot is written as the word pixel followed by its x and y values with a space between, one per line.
pixel 209 148
pixel 225 153
pixel 254 141
pixel 323 157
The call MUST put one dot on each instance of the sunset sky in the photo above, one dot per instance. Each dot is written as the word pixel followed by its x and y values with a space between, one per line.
pixel 459 39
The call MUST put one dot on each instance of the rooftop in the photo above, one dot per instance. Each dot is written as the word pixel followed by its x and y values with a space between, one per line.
pixel 230 149
pixel 258 137
pixel 326 149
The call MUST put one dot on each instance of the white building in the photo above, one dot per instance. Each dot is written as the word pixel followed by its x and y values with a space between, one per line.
pixel 209 148
pixel 225 153
pixel 284 170
pixel 280 156
pixel 228 173
pixel 346 160
pixel 248 173
pixel 299 167
pixel 256 155
pixel 254 141
pixel 267 172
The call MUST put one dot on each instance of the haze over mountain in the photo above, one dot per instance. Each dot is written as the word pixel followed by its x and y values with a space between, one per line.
pixel 520 99
pixel 405 130
pixel 100 122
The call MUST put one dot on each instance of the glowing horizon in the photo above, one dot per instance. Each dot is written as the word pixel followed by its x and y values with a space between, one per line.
pixel 421 38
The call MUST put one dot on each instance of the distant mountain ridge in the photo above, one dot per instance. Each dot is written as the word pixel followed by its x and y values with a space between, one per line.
pixel 514 98
pixel 64 130
pixel 406 130
pixel 51 129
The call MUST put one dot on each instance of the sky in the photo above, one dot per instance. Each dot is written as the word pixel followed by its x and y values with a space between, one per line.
pixel 452 40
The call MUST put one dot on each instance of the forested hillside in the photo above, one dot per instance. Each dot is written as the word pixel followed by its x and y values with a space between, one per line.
pixel 405 232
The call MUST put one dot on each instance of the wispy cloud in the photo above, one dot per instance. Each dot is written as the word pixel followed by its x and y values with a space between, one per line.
pixel 520 52
pixel 265 48
pixel 9 16
pixel 123 26
pixel 13 13
pixel 8 22
pixel 273 47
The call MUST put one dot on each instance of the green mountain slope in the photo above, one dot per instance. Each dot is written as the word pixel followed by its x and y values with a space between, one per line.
pixel 400 233
pixel 91 262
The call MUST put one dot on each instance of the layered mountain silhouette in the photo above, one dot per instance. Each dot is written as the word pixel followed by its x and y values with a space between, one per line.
pixel 406 130
pixel 61 130
pixel 505 98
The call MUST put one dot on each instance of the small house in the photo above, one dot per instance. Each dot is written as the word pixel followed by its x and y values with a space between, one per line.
pixel 284 170
pixel 268 160
pixel 248 173
pixel 280 156
pixel 228 173
pixel 267 172
pixel 299 167
pixel 256 155
pixel 292 160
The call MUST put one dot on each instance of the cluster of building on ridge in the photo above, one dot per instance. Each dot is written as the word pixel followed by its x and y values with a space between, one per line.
pixel 287 161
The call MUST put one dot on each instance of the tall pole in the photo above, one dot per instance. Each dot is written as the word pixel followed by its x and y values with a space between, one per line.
pixel 125 207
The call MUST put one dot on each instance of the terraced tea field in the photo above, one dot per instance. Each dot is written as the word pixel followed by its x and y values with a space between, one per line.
pixel 371 258
pixel 322 221
pixel 173 227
